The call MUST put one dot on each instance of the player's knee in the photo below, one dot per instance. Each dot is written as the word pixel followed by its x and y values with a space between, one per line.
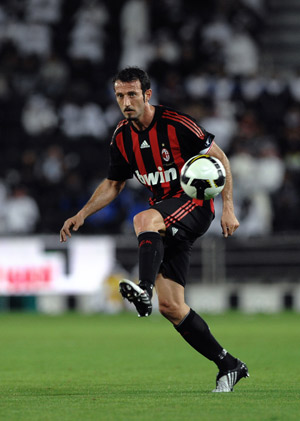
pixel 149 220
pixel 140 221
pixel 169 309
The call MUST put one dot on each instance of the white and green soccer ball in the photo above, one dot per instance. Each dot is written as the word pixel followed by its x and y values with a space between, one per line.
pixel 203 177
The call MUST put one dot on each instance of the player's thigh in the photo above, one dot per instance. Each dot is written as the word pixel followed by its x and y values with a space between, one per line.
pixel 148 220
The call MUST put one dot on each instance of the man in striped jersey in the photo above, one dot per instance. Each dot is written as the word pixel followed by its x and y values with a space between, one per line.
pixel 152 143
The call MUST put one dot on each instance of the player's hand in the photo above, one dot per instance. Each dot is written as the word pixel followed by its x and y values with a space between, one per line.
pixel 75 222
pixel 229 223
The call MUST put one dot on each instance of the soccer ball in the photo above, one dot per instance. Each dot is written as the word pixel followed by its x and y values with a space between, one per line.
pixel 203 177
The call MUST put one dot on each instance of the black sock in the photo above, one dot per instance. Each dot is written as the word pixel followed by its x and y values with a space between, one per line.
pixel 225 361
pixel 151 251
pixel 196 332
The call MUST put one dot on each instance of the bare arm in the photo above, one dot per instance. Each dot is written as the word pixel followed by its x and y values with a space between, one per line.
pixel 229 222
pixel 105 193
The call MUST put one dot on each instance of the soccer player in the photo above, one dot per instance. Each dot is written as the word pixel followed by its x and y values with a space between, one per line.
pixel 152 143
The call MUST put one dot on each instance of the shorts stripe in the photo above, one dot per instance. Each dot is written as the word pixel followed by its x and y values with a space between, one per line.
pixel 173 215
pixel 177 218
pixel 180 210
pixel 180 213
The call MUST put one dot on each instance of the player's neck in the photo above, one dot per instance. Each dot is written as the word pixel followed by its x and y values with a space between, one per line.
pixel 144 122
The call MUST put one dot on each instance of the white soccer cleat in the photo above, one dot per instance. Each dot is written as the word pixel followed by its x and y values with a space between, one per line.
pixel 226 380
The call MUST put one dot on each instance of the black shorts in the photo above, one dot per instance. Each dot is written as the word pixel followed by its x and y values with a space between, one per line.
pixel 185 221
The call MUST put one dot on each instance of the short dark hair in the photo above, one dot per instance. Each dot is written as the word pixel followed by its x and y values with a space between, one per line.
pixel 130 74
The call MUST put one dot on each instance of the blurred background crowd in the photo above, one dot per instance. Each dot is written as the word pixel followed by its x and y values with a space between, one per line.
pixel 58 112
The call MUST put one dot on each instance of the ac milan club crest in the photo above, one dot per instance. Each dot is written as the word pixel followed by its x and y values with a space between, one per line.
pixel 165 154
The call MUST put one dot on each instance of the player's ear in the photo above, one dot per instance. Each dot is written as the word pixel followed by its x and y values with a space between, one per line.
pixel 148 95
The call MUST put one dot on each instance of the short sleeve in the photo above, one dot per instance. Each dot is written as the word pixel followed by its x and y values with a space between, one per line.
pixel 208 141
pixel 119 168
pixel 195 140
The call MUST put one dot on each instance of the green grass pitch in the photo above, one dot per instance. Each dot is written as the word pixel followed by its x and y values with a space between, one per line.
pixel 119 367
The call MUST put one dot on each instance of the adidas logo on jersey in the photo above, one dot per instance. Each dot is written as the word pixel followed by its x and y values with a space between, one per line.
pixel 174 231
pixel 145 144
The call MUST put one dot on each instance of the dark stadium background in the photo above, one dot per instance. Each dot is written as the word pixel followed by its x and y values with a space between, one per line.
pixel 232 64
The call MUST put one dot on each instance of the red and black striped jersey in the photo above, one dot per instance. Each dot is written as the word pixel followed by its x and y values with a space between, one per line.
pixel 156 155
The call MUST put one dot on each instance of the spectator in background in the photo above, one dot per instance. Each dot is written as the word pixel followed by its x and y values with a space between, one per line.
pixel 29 38
pixel 135 33
pixel 218 31
pixel 39 115
pixel 46 11
pixel 273 103
pixel 241 54
pixel 87 37
pixel 286 204
pixel 50 166
pixel 220 120
pixel 258 175
pixel 3 196
pixel 53 76
pixel 83 120
pixel 21 212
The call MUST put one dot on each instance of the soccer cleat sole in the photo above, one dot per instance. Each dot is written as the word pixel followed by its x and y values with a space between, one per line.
pixel 136 295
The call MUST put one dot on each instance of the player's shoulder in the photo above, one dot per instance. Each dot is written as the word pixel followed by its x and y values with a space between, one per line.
pixel 182 120
pixel 121 125
pixel 119 128
pixel 169 112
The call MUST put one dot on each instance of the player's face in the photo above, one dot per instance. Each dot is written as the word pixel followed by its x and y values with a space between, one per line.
pixel 131 99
